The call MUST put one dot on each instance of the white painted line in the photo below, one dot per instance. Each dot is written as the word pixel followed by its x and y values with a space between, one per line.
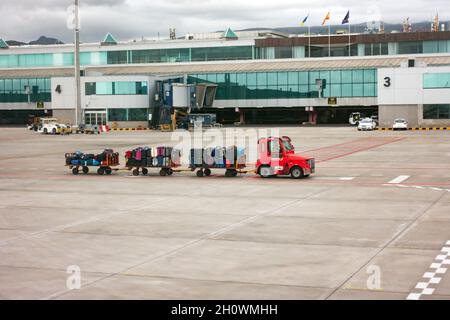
pixel 399 179
pixel 430 277
pixel 441 270
pixel 413 296
pixel 335 178
pixel 422 285
pixel 428 291
pixel 435 280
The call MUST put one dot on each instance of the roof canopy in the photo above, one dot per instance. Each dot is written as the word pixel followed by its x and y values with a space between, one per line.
pixel 229 34
pixel 109 40
pixel 3 44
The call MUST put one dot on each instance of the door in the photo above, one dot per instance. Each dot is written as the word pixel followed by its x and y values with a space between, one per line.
pixel 95 117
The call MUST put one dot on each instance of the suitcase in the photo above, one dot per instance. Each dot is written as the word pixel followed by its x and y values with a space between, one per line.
pixel 196 158
pixel 138 154
pixel 168 151
pixel 176 157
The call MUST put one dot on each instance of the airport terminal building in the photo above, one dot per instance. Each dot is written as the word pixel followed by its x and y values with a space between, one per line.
pixel 262 77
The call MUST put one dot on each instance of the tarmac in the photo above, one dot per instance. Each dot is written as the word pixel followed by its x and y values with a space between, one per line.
pixel 372 223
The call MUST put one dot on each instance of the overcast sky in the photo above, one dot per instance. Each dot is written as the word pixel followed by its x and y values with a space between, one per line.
pixel 26 20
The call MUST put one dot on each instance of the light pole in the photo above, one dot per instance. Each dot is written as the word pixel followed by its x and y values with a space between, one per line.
pixel 78 117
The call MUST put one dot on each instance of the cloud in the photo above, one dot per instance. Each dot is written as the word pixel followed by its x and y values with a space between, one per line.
pixel 27 19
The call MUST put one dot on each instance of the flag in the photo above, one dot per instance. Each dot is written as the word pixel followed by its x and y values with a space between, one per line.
pixel 327 17
pixel 347 18
pixel 304 20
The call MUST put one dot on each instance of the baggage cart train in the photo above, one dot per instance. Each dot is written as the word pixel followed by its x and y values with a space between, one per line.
pixel 276 157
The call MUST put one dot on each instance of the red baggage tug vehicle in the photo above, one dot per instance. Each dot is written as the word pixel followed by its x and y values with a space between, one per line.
pixel 276 157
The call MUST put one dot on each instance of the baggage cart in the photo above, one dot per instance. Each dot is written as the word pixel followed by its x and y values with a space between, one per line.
pixel 140 160
pixel 231 159
pixel 106 162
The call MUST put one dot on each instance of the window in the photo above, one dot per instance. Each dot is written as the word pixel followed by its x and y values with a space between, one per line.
pixel 222 53
pixel 13 90
pixel 283 52
pixel 117 57
pixel 104 88
pixel 436 80
pixel 117 88
pixel 137 114
pixel 293 77
pixel 123 88
pixel 117 115
pixel 89 88
pixel 410 47
pixel 436 111
pixel 141 88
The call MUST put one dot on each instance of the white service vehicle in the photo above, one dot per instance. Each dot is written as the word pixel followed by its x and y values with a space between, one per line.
pixel 354 118
pixel 50 128
pixel 366 124
pixel 400 124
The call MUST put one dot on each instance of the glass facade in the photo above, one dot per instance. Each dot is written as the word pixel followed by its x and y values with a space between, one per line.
pixel 13 90
pixel 116 88
pixel 289 85
pixel 436 111
pixel 159 56
pixel 51 60
pixel 131 114
pixel 126 57
pixel 221 53
pixel 436 80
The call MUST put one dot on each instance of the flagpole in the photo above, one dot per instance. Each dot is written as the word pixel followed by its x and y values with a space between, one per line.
pixel 349 41
pixel 329 39
pixel 309 40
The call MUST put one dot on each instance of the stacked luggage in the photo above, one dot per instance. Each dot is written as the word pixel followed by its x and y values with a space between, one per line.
pixel 104 161
pixel 231 158
pixel 160 157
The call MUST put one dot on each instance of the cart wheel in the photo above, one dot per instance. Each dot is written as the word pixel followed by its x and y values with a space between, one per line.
pixel 170 172
pixel 75 171
pixel 163 172
pixel 207 172
pixel 200 173
pixel 100 171
pixel 108 170
pixel 135 172
pixel 85 170
pixel 144 171
pixel 229 173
